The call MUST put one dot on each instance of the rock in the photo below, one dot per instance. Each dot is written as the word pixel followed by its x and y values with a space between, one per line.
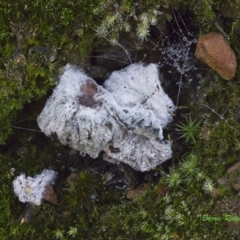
pixel 124 118
pixel 232 169
pixel 50 195
pixel 206 132
pixel 236 186
pixel 215 193
pixel 222 181
pixel 72 178
pixel 213 50
pixel 134 193
pixel 233 226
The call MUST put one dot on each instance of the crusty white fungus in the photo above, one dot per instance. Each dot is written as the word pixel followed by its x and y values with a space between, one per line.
pixel 32 189
pixel 124 117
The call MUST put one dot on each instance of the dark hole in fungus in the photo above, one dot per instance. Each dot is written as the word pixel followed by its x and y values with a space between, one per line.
pixel 109 125
pixel 88 90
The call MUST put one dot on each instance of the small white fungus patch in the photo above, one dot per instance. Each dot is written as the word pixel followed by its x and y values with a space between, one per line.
pixel 30 189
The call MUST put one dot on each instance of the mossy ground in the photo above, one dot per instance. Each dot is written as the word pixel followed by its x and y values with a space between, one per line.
pixel 37 38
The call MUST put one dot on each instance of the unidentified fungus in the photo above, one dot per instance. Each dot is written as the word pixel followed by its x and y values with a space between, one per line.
pixel 124 117
pixel 30 189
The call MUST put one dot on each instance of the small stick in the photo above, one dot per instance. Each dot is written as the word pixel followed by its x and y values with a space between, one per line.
pixel 216 24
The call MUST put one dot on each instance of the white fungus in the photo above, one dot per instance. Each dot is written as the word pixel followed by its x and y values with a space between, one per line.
pixel 124 117
pixel 30 189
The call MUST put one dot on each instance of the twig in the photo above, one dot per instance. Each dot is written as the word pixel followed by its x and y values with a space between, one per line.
pixel 216 24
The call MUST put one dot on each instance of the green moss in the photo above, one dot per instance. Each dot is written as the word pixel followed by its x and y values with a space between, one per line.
pixel 81 190
pixel 189 131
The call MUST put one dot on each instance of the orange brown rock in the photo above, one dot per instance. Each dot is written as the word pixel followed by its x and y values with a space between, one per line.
pixel 213 50
pixel 134 193
pixel 50 195
pixel 233 168
pixel 72 178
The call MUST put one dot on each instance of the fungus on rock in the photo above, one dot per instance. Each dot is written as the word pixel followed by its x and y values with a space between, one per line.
pixel 124 117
